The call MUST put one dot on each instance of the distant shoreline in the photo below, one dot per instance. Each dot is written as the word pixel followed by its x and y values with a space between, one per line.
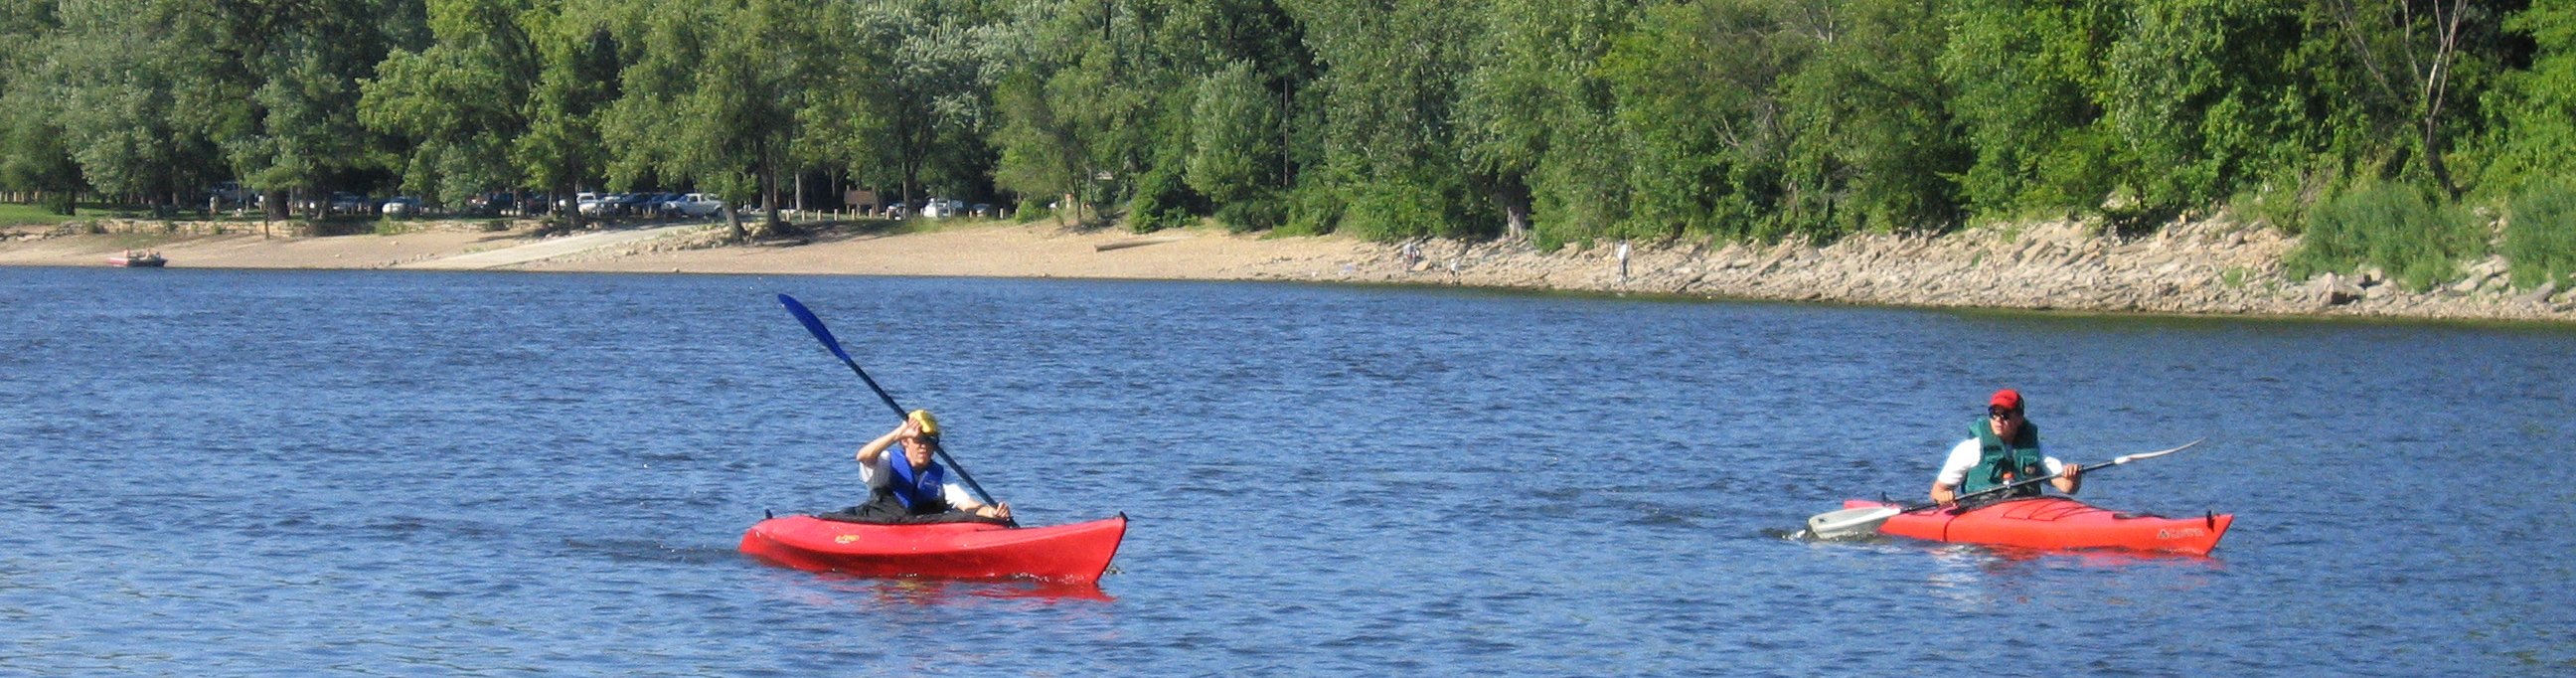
pixel 2198 269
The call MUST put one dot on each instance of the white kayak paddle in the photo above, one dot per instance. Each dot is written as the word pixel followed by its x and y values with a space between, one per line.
pixel 1853 522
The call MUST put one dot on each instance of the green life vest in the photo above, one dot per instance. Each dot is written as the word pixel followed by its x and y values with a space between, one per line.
pixel 2004 463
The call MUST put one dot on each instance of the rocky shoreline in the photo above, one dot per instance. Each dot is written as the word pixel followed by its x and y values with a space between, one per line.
pixel 2207 267
pixel 2191 268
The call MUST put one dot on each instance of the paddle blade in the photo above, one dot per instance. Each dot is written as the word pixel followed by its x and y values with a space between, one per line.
pixel 1851 522
pixel 2152 455
pixel 814 325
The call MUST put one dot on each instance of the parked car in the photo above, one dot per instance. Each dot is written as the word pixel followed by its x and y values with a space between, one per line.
pixel 344 202
pixel 694 204
pixel 491 204
pixel 402 206
pixel 232 192
pixel 631 204
pixel 943 207
pixel 589 204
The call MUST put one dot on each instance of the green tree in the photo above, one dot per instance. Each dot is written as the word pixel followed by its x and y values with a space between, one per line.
pixel 461 104
pixel 2024 77
pixel 578 63
pixel 1874 145
pixel 1535 118
pixel 1389 79
pixel 1235 149
pixel 2414 57
pixel 2534 125
pixel 715 96
pixel 1700 112
pixel 914 107
pixel 33 157
pixel 2212 97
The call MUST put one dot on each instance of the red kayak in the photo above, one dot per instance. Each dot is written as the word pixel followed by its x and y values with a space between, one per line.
pixel 2057 523
pixel 1074 554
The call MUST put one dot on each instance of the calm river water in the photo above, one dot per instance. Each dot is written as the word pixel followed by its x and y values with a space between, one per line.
pixel 364 473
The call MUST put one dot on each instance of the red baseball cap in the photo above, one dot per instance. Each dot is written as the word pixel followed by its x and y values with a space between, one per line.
pixel 2006 398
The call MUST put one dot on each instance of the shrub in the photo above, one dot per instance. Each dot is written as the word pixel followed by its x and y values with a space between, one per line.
pixel 2392 226
pixel 1162 201
pixel 1314 208
pixel 2540 239
pixel 1032 208
pixel 1260 213
pixel 60 203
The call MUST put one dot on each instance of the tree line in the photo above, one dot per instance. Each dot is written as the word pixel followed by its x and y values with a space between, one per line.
pixel 1555 120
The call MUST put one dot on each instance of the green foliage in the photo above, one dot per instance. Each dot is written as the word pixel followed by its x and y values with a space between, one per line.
pixel 1162 201
pixel 2540 237
pixel 1555 120
pixel 2535 128
pixel 1314 208
pixel 1874 147
pixel 461 103
pixel 2419 242
pixel 2209 98
pixel 2025 75
pixel 1235 149
pixel 1698 111
pixel 60 204
pixel 1245 216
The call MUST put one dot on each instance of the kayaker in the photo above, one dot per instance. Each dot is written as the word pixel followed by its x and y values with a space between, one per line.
pixel 910 487
pixel 2001 448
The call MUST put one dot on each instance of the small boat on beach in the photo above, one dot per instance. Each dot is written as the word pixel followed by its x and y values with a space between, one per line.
pixel 1067 554
pixel 130 259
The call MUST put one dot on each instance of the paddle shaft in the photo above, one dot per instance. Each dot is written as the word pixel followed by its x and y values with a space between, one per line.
pixel 824 334
pixel 2018 484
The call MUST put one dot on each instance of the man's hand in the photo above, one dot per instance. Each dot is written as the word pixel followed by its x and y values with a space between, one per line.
pixel 1000 511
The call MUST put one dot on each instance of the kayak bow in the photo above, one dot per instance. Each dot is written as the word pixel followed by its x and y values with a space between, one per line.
pixel 1075 554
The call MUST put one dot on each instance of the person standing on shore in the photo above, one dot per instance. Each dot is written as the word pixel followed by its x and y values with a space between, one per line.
pixel 2001 448
pixel 1623 261
pixel 909 487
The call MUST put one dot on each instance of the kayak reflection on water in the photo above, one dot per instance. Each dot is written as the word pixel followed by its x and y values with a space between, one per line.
pixel 831 589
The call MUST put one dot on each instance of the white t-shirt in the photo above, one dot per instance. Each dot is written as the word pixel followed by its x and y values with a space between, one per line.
pixel 1965 455
pixel 881 474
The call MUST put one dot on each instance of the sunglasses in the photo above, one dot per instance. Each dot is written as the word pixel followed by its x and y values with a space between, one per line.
pixel 2002 412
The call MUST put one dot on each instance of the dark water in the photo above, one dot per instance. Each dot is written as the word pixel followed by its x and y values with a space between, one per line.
pixel 300 473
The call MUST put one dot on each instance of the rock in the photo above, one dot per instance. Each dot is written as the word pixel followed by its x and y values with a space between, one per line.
pixel 2537 295
pixel 2334 290
pixel 2477 277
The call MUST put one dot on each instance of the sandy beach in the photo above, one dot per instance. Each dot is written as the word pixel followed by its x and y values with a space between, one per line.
pixel 2211 268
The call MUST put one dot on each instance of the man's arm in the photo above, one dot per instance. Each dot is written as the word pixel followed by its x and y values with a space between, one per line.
pixel 2070 477
pixel 875 449
pixel 1954 468
pixel 959 499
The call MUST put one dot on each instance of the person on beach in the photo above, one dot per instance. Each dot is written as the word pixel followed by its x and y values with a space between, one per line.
pixel 909 487
pixel 2001 448
pixel 1623 261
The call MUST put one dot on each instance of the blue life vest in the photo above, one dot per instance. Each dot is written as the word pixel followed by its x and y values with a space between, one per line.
pixel 917 490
